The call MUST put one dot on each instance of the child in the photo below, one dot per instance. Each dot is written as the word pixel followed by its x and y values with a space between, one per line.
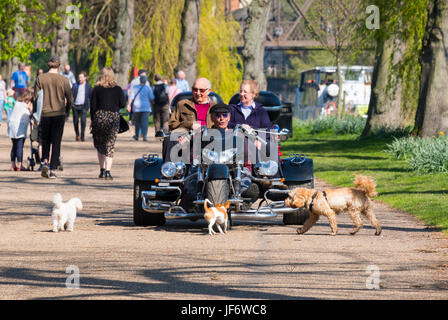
pixel 9 103
pixel 17 128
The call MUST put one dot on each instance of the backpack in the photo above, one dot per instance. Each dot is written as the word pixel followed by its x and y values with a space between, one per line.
pixel 160 95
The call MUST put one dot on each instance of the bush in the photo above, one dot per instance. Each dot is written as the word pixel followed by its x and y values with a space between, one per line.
pixel 402 148
pixel 423 155
pixel 346 125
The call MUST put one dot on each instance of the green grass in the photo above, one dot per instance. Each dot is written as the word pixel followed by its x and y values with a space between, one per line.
pixel 339 158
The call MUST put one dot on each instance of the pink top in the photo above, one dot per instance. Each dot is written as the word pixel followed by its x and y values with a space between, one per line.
pixel 202 110
pixel 174 91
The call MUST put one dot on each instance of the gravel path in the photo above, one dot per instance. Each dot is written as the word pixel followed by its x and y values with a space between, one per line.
pixel 255 260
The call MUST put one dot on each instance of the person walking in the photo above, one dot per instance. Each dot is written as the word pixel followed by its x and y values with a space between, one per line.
pixel 57 100
pixel 9 103
pixel 18 127
pixel 161 109
pixel 140 101
pixel 19 80
pixel 105 104
pixel 181 82
pixel 82 92
pixel 174 90
pixel 69 75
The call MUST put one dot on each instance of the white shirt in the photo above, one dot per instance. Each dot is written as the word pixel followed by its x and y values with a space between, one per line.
pixel 18 121
pixel 81 96
pixel 246 110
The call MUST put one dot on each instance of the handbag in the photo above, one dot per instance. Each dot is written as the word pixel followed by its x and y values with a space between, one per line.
pixel 124 126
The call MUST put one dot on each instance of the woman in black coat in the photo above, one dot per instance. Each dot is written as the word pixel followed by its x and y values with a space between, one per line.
pixel 105 104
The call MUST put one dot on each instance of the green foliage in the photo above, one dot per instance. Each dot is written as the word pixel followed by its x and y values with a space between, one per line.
pixel 99 51
pixel 423 155
pixel 217 58
pixel 157 32
pixel 404 22
pixel 346 125
pixel 18 17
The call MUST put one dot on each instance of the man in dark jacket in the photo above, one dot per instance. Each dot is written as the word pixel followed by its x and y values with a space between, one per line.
pixel 82 92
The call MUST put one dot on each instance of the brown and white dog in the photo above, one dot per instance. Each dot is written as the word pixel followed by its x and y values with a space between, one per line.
pixel 216 215
pixel 330 202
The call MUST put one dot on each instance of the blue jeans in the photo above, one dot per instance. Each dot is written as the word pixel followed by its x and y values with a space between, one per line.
pixel 8 113
pixel 2 103
pixel 141 122
pixel 17 149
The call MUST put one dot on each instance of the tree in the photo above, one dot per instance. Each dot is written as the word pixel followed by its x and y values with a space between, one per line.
pixel 396 74
pixel 254 35
pixel 432 112
pixel 188 46
pixel 123 43
pixel 333 23
pixel 218 59
pixel 61 41
pixel 156 37
pixel 385 102
pixel 18 37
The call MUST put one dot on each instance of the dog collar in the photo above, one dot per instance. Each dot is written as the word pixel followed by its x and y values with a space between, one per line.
pixel 312 200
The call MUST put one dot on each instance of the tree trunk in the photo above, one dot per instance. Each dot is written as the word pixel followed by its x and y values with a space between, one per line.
pixel 385 99
pixel 61 44
pixel 254 36
pixel 123 43
pixel 188 47
pixel 432 112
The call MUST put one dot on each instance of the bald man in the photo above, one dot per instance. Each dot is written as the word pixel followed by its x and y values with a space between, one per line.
pixel 191 114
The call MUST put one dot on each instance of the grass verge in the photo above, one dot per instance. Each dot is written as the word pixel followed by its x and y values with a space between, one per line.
pixel 339 158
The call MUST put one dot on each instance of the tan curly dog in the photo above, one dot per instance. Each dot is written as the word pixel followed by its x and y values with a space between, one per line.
pixel 331 202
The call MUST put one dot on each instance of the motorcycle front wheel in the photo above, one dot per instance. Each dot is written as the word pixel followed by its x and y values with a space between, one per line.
pixel 218 193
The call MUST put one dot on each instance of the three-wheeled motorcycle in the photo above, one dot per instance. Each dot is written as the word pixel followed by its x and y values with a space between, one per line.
pixel 218 175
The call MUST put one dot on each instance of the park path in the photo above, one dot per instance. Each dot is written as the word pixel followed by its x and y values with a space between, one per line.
pixel 255 260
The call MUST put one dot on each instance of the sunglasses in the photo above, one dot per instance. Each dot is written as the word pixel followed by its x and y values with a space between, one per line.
pixel 224 115
pixel 199 89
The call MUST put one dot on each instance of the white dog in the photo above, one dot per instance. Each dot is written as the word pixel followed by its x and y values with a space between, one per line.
pixel 64 213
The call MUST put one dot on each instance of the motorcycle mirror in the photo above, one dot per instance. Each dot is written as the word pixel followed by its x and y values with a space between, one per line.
pixel 284 132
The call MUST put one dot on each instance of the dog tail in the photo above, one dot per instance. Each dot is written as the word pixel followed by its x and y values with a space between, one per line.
pixel 77 203
pixel 205 203
pixel 367 184
pixel 57 199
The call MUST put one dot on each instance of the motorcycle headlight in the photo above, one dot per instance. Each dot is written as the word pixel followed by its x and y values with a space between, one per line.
pixel 210 155
pixel 168 169
pixel 268 168
pixel 180 169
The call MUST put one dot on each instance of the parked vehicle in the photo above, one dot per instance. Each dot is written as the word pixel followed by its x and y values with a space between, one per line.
pixel 318 91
